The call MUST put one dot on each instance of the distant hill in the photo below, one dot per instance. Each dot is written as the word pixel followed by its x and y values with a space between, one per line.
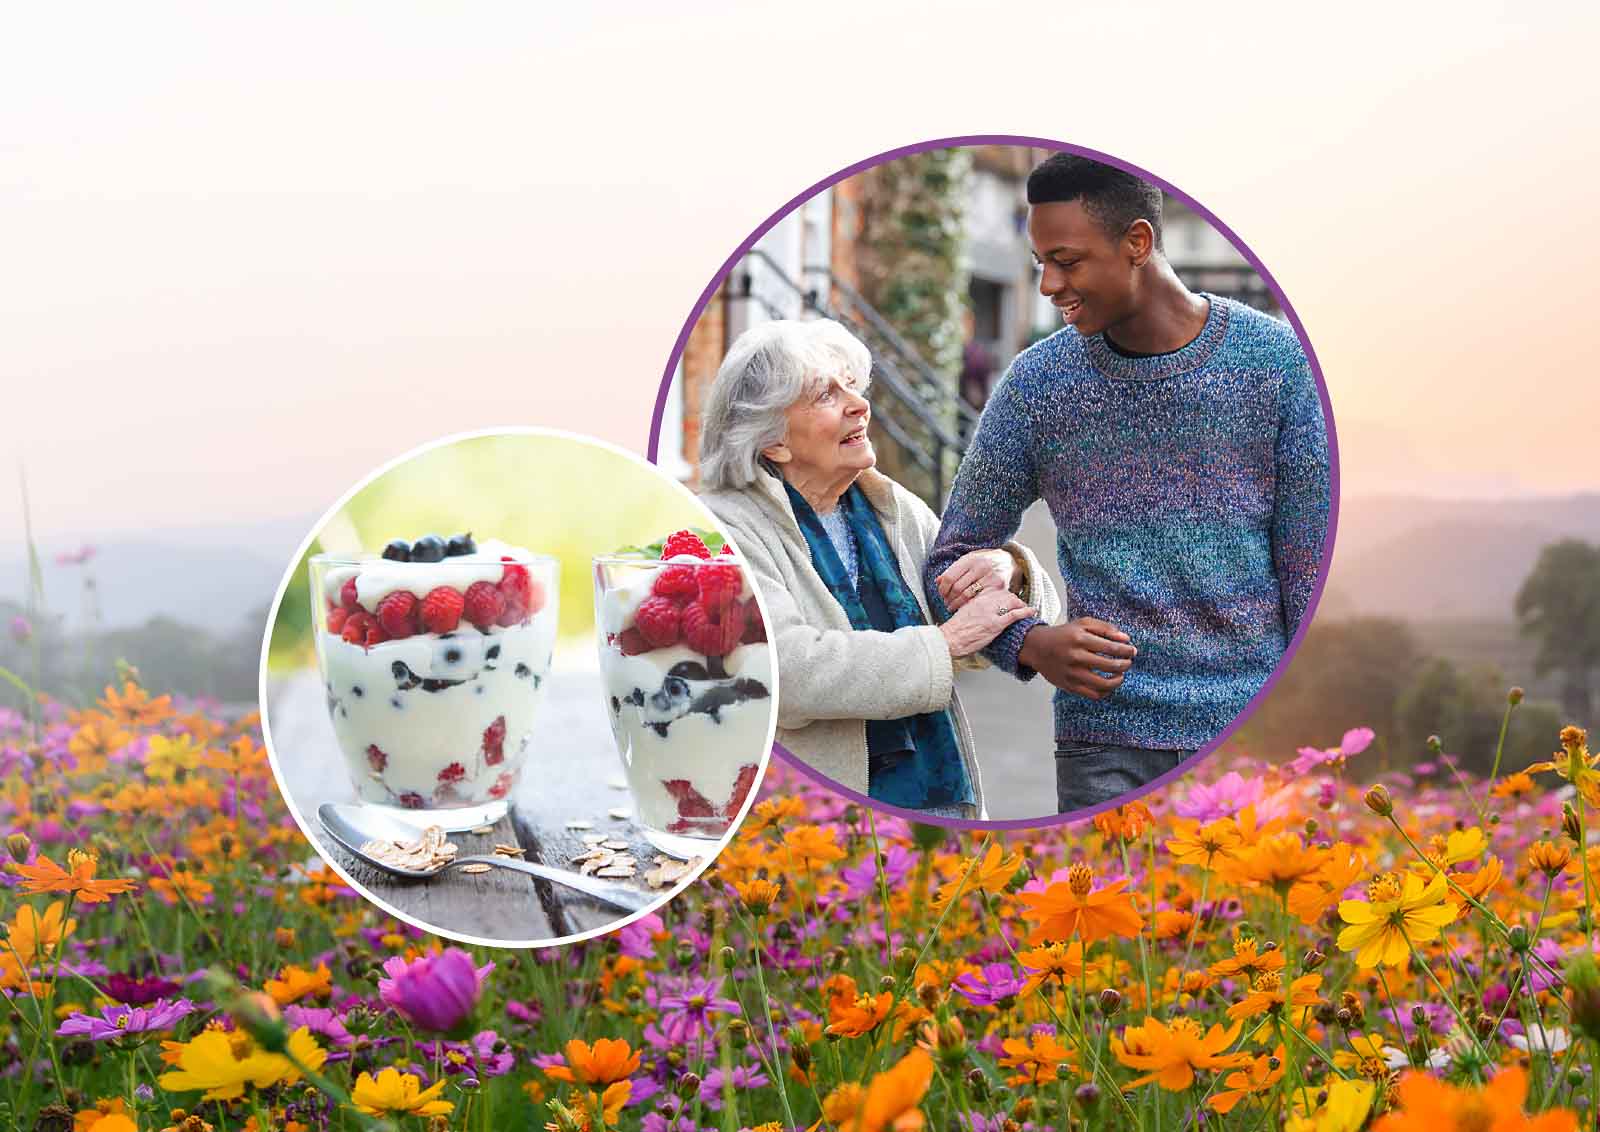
pixel 1426 559
pixel 212 577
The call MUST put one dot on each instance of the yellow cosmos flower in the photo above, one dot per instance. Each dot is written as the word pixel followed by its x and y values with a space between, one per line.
pixel 223 1063
pixel 1398 909
pixel 33 936
pixel 394 1091
pixel 167 756
pixel 1345 1110
pixel 1575 763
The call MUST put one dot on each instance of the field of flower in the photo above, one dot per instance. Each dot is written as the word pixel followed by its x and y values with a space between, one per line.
pixel 1261 947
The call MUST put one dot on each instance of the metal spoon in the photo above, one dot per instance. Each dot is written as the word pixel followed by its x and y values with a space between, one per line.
pixel 354 826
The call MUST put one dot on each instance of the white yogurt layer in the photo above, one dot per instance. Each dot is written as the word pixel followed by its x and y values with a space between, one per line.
pixel 378 578
pixel 424 703
pixel 711 729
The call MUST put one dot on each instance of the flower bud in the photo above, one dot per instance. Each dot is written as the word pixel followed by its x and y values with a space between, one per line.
pixel 470 1084
pixel 1574 1077
pixel 685 950
pixel 1087 1094
pixel 904 959
pixel 1110 1001
pixel 928 837
pixel 1570 824
pixel 688 1085
pixel 1378 800
pixel 1515 696
pixel 1274 1064
pixel 1483 1025
pixel 1435 744
pixel 1517 938
pixel 886 983
pixel 1313 960
pixel 1419 1016
pixel 18 844
pixel 729 955
pixel 1311 827
pixel 1345 1017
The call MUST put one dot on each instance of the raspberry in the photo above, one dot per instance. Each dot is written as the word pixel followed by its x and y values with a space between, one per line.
pixel 514 611
pixel 741 787
pixel 709 636
pixel 632 642
pixel 376 759
pixel 684 542
pixel 516 580
pixel 483 604
pixel 441 610
pixel 455 772
pixel 659 621
pixel 727 548
pixel 676 581
pixel 691 803
pixel 502 785
pixel 755 629
pixel 336 618
pixel 397 613
pixel 375 635
pixel 355 627
pixel 494 738
pixel 411 800
pixel 719 585
pixel 347 595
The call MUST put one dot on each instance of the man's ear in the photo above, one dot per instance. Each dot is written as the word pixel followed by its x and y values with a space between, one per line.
pixel 778 453
pixel 1140 241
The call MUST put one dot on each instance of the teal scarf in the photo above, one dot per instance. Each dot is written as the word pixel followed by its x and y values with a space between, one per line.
pixel 914 761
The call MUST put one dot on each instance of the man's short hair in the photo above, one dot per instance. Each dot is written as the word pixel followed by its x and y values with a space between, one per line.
pixel 1112 198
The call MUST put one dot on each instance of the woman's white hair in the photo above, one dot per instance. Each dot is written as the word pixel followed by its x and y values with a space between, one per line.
pixel 767 369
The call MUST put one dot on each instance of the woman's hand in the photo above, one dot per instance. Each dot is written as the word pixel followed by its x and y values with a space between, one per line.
pixel 982 619
pixel 975 572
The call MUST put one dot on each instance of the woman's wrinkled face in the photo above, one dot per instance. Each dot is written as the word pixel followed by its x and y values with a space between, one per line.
pixel 827 434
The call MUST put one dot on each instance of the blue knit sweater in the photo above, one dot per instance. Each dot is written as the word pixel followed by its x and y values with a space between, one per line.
pixel 1190 493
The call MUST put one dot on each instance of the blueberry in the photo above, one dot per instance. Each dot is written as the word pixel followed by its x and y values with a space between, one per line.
pixel 428 548
pixel 398 551
pixel 461 544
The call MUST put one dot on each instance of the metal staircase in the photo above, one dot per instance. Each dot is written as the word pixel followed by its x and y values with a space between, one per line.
pixel 919 413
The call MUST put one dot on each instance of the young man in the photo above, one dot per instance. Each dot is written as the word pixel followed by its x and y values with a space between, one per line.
pixel 1178 440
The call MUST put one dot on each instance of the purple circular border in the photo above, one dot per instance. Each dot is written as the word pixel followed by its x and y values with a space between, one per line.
pixel 1204 752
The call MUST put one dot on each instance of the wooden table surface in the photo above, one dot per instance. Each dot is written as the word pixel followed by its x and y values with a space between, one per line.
pixel 575 774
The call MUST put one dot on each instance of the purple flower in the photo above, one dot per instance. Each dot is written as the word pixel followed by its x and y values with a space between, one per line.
pixel 1544 968
pixel 21 630
pixel 1220 799
pixel 477 1057
pixel 688 1011
pixel 993 984
pixel 744 1077
pixel 120 1020
pixel 319 1020
pixel 862 880
pixel 528 1013
pixel 638 938
pixel 436 992
pixel 1356 740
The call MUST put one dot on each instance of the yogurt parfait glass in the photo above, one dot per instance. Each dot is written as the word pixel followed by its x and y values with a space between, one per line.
pixel 687 674
pixel 433 672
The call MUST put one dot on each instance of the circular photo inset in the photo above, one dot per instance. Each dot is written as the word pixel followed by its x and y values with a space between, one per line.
pixel 517 687
pixel 1032 462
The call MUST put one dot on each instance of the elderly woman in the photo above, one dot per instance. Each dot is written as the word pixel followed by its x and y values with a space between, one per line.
pixel 866 683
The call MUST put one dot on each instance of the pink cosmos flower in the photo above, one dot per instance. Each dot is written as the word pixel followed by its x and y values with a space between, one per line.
pixel 1356 740
pixel 1220 799
pixel 435 992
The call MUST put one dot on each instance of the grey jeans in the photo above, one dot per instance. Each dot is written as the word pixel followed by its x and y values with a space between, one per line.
pixel 1088 774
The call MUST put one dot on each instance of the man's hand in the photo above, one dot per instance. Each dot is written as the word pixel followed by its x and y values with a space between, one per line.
pixel 1073 656
pixel 972 574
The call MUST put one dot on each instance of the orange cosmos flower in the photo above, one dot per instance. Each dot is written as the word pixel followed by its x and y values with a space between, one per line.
pixel 809 845
pixel 1125 823
pixel 1201 845
pixel 186 883
pixel 294 983
pixel 1575 763
pixel 861 1015
pixel 95 741
pixel 1255 1080
pixel 1249 960
pixel 133 707
pixel 892 1098
pixel 78 877
pixel 757 895
pixel 1276 862
pixel 992 875
pixel 772 813
pixel 1075 908
pixel 607 1061
pixel 1173 1052
pixel 1268 996
pixel 34 937
pixel 1060 961
pixel 1513 785
pixel 1548 857
pixel 1428 1104
pixel 1310 899
pixel 1039 1057
pixel 1174 924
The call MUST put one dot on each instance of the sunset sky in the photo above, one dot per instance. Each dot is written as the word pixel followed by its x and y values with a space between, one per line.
pixel 250 256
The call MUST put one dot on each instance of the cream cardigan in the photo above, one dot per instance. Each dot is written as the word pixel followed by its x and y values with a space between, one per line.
pixel 832 677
